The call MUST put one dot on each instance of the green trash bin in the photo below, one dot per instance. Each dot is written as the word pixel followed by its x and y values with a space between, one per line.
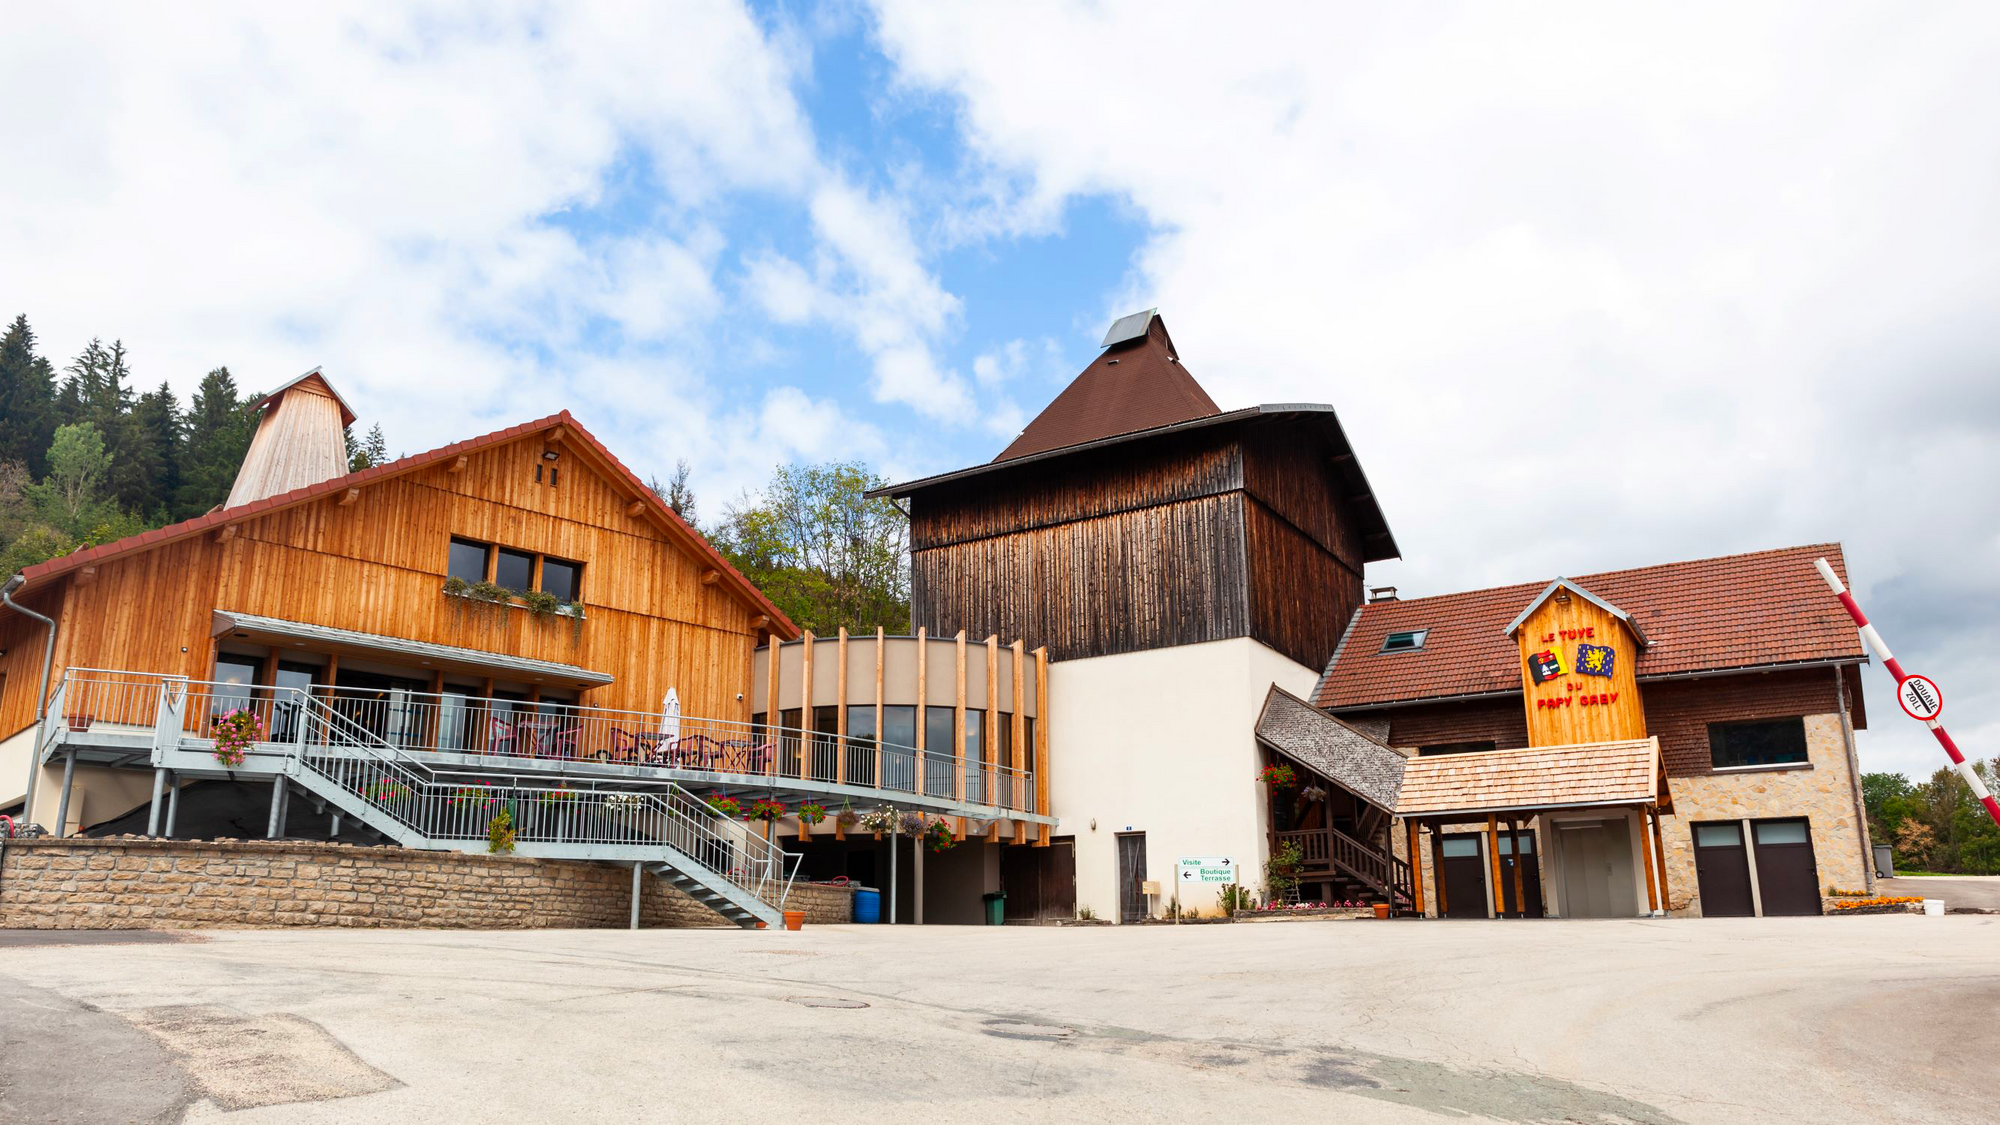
pixel 996 908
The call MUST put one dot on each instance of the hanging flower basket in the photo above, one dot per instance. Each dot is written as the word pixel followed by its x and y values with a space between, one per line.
pixel 765 809
pixel 234 731
pixel 1278 777
pixel 938 835
pixel 879 820
pixel 811 814
pixel 386 792
pixel 726 806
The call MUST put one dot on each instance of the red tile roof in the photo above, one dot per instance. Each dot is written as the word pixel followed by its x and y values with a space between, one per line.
pixel 608 463
pixel 1736 612
pixel 1132 386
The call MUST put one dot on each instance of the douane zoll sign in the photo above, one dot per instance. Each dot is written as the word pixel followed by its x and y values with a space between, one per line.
pixel 1920 698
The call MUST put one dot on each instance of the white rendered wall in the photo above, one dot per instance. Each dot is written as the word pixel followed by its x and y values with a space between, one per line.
pixel 1163 742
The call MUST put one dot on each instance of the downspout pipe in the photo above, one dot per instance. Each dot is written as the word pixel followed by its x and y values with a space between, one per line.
pixel 42 700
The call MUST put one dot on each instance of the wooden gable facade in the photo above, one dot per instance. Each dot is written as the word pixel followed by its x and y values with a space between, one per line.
pixel 368 553
pixel 1254 523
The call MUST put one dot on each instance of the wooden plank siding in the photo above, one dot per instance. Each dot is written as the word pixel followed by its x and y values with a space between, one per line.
pixel 378 565
pixel 1202 536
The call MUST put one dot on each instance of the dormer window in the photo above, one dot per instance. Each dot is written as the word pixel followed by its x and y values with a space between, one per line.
pixel 1407 640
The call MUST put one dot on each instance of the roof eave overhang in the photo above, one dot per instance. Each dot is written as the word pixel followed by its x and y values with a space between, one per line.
pixel 224 621
pixel 1380 545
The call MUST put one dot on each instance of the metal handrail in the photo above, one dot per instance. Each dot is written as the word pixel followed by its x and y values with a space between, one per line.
pixel 350 757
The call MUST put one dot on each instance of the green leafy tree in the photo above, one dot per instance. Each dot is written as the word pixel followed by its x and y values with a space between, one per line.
pixel 1935 825
pixel 27 400
pixel 219 426
pixel 678 493
pixel 827 555
pixel 77 462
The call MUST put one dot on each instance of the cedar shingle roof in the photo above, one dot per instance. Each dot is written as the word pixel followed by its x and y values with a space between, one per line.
pixel 1330 748
pixel 1591 773
pixel 1129 387
pixel 1765 609
pixel 607 463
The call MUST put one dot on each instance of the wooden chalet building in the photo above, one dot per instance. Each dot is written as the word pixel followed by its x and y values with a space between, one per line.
pixel 362 587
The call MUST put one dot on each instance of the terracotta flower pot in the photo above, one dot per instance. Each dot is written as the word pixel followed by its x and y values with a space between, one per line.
pixel 80 722
pixel 795 919
pixel 1381 910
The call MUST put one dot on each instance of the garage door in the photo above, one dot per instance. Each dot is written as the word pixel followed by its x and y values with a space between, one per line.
pixel 1722 868
pixel 1787 876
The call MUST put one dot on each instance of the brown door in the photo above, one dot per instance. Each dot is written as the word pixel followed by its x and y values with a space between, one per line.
pixel 1464 877
pixel 1520 849
pixel 1787 876
pixel 1040 882
pixel 1131 876
pixel 1722 870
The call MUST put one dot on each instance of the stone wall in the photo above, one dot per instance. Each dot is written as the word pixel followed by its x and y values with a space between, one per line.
pixel 1821 789
pixel 128 882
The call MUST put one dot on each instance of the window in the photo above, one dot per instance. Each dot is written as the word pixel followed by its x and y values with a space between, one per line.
pixel 1457 748
pixel 1780 831
pixel 561 578
pixel 515 570
pixel 1768 742
pixel 468 560
pixel 1723 835
pixel 1408 640
pixel 1456 847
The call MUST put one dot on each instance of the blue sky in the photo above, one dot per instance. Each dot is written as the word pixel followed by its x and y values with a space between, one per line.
pixel 1742 254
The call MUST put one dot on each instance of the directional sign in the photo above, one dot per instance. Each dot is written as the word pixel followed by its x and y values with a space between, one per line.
pixel 1208 869
pixel 1920 698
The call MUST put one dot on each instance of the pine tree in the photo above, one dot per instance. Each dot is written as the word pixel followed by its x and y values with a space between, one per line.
pixel 369 453
pixel 219 425
pixel 27 400
pixel 156 421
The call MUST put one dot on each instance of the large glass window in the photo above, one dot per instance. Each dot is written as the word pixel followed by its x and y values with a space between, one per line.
pixel 861 745
pixel 899 734
pixel 940 749
pixel 1767 742
pixel 975 756
pixel 468 560
pixel 515 570
pixel 234 676
pixel 286 705
pixel 562 578
pixel 1456 748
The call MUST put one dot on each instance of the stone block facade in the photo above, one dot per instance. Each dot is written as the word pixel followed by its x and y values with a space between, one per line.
pixel 131 882
pixel 1821 790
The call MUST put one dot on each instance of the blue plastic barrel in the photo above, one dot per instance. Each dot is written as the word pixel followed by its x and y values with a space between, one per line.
pixel 867 906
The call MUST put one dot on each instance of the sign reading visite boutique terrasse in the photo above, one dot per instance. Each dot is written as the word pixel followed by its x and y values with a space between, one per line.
pixel 1208 870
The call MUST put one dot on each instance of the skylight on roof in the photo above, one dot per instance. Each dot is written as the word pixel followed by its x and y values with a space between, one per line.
pixel 1408 640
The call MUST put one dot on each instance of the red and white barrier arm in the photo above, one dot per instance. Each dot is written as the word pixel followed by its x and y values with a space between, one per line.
pixel 1875 643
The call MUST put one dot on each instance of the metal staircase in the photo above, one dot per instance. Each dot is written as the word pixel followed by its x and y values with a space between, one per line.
pixel 719 862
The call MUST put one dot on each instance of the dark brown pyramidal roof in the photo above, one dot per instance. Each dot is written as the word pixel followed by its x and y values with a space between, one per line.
pixel 1137 383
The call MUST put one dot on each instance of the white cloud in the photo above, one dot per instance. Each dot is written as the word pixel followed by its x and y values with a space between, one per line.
pixel 468 213
pixel 1740 256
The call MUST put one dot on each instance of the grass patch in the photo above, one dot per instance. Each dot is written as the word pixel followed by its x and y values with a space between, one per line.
pixel 1923 874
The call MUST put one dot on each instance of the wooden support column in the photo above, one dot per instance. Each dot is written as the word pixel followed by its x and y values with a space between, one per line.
pixel 1437 864
pixel 773 714
pixel 1042 741
pixel 1018 742
pixel 1646 848
pixel 989 744
pixel 433 726
pixel 958 731
pixel 1660 854
pixel 840 711
pixel 1416 867
pixel 1493 857
pixel 1514 848
pixel 807 735
pixel 923 667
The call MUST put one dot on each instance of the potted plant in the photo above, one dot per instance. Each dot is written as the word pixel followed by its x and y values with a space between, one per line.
pixel 1381 909
pixel 500 833
pixel 938 836
pixel 725 805
pixel 234 731
pixel 765 809
pixel 1279 776
pixel 811 814
pixel 80 722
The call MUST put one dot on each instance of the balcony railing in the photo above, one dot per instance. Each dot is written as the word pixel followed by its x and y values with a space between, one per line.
pixel 421 722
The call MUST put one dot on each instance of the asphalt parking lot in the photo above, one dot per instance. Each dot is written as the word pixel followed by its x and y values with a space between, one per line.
pixel 1814 1019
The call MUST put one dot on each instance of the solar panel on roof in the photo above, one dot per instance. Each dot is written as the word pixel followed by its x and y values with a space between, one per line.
pixel 1129 327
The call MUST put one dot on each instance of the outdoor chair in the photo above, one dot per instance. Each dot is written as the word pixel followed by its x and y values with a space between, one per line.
pixel 500 737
